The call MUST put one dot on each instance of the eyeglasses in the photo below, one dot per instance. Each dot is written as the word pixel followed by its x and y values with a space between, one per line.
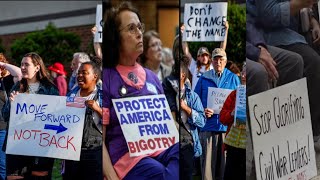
pixel 156 44
pixel 133 28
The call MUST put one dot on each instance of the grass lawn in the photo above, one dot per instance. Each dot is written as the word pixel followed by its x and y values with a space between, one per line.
pixel 56 175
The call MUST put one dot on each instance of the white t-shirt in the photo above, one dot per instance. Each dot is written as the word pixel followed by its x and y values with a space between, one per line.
pixel 194 71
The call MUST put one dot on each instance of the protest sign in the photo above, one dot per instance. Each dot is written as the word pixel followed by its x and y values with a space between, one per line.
pixel 43 125
pixel 147 123
pixel 205 21
pixel 240 116
pixel 99 24
pixel 216 98
pixel 282 134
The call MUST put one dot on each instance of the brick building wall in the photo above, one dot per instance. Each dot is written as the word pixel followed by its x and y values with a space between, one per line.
pixel 83 31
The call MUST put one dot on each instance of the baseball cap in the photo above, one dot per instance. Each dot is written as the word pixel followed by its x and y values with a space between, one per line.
pixel 219 52
pixel 203 50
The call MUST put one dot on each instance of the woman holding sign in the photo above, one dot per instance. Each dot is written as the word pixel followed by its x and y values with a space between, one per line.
pixel 235 141
pixel 35 80
pixel 89 166
pixel 124 77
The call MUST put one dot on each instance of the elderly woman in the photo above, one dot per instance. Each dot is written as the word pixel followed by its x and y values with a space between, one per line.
pixel 35 80
pixel 152 55
pixel 124 77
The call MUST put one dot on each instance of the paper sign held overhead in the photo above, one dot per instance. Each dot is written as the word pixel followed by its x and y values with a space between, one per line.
pixel 99 24
pixel 205 21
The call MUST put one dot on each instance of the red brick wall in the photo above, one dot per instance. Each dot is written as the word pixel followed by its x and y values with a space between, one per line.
pixel 83 31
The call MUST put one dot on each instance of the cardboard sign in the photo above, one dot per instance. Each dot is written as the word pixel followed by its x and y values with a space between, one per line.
pixel 99 24
pixel 240 115
pixel 282 134
pixel 205 21
pixel 147 123
pixel 216 98
pixel 43 125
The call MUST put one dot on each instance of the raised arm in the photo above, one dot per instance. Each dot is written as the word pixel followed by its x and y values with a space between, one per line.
pixel 13 70
pixel 223 44
pixel 96 45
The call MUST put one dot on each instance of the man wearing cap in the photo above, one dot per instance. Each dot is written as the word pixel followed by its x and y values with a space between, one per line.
pixel 212 134
pixel 58 73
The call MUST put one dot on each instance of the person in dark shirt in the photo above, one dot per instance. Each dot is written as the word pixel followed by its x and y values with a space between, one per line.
pixel 9 74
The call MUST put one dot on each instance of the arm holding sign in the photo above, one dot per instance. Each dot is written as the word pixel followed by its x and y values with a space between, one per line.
pixel 96 45
pixel 92 104
pixel 223 44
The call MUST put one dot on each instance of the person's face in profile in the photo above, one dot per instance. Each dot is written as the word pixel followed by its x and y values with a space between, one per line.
pixel 28 69
pixel 131 31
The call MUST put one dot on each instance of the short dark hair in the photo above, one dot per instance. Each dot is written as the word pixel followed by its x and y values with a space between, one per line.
pixel 95 68
pixel 111 34
pixel 184 67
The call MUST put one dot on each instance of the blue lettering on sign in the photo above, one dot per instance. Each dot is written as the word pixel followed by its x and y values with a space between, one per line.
pixel 56 118
pixel 154 129
pixel 32 108
pixel 144 116
pixel 140 104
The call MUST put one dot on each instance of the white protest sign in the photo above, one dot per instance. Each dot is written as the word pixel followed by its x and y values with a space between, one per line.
pixel 216 98
pixel 147 123
pixel 205 21
pixel 43 125
pixel 99 24
pixel 240 116
pixel 282 134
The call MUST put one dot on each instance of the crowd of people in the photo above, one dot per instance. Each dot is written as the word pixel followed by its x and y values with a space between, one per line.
pixel 136 64
pixel 282 46
pixel 33 77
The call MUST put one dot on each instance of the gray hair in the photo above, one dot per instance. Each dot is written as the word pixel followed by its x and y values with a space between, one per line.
pixel 81 57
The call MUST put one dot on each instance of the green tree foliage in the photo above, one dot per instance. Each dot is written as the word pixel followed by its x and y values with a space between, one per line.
pixel 51 44
pixel 236 36
pixel 2 49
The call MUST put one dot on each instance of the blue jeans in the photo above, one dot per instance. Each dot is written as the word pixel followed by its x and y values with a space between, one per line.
pixel 2 156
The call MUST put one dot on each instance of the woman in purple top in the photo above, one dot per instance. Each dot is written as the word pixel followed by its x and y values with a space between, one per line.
pixel 124 77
